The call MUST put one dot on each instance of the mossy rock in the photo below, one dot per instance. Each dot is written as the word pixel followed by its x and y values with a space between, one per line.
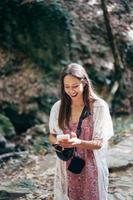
pixel 40 30
pixel 6 127
pixel 20 121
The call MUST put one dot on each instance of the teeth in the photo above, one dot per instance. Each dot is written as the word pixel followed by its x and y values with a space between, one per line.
pixel 74 95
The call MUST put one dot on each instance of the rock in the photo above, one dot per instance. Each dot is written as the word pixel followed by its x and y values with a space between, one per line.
pixel 6 147
pixel 42 117
pixel 2 141
pixel 6 194
pixel 38 129
pixel 21 121
pixel 123 152
pixel 6 127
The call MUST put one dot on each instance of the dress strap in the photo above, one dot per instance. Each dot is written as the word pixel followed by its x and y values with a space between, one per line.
pixel 85 113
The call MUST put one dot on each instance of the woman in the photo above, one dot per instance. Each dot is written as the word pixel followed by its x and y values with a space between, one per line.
pixel 91 146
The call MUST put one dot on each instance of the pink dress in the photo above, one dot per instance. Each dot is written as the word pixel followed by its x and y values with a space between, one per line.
pixel 84 186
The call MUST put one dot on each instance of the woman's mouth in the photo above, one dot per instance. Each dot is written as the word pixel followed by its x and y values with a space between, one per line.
pixel 73 95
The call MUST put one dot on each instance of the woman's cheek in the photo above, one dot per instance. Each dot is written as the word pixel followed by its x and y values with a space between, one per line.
pixel 67 93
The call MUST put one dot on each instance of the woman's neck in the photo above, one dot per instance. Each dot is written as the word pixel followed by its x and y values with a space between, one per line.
pixel 78 103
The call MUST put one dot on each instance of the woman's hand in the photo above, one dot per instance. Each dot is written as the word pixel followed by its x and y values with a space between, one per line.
pixel 72 142
pixel 75 142
pixel 65 143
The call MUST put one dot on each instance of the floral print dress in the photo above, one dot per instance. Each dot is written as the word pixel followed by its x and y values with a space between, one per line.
pixel 83 186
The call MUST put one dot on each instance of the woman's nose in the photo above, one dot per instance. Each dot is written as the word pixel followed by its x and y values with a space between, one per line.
pixel 72 92
pixel 71 89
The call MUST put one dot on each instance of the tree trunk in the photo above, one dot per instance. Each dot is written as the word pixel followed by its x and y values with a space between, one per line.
pixel 117 59
pixel 118 65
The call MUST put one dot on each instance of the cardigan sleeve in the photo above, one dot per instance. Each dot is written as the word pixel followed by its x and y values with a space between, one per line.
pixel 53 119
pixel 103 127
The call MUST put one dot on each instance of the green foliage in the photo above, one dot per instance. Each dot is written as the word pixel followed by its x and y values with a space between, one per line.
pixel 21 121
pixel 6 126
pixel 129 55
pixel 102 51
pixel 41 145
pixel 41 31
pixel 46 101
pixel 123 124
pixel 97 77
pixel 26 183
pixel 125 4
pixel 10 67
pixel 23 183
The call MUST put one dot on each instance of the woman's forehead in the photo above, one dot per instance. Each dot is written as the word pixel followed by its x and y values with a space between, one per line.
pixel 71 79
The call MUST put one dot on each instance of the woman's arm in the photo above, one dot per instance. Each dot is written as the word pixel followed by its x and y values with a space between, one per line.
pixel 84 144
pixel 102 131
pixel 52 139
pixel 92 144
pixel 53 123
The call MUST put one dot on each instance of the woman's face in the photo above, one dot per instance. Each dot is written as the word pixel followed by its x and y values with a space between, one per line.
pixel 73 87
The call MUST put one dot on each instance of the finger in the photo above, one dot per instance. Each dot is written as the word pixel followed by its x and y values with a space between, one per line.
pixel 73 134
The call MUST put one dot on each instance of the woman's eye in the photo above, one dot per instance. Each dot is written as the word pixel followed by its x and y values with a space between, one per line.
pixel 75 86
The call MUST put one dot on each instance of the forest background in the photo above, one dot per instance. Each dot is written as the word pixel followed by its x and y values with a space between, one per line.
pixel 37 39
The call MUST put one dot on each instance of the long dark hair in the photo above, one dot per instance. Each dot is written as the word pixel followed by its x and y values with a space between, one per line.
pixel 79 72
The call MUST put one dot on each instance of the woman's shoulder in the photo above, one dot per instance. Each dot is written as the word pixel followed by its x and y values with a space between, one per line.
pixel 99 102
pixel 56 106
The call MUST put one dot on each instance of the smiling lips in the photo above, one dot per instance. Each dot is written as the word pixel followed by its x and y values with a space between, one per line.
pixel 74 95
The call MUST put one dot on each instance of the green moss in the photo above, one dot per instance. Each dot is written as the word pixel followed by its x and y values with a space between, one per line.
pixel 129 55
pixel 39 30
pixel 41 144
pixel 123 124
pixel 6 126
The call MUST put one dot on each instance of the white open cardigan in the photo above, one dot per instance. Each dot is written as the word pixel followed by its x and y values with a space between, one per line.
pixel 103 129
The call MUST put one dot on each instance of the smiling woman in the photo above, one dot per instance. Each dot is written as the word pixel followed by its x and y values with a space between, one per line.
pixel 90 146
pixel 73 87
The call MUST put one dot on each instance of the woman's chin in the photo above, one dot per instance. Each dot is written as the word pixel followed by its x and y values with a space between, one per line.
pixel 74 96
